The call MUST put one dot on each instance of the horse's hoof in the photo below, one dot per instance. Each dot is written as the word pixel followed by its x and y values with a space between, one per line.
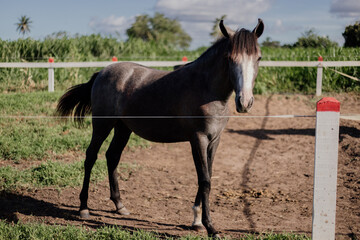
pixel 123 211
pixel 85 213
pixel 198 228
pixel 216 236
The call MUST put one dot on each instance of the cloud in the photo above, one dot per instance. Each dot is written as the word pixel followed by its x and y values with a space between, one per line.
pixel 278 27
pixel 197 16
pixel 237 11
pixel 111 24
pixel 346 8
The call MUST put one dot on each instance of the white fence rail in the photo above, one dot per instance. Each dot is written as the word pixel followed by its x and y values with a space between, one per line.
pixel 52 65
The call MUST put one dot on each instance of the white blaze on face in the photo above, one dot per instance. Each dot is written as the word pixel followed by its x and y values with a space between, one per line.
pixel 245 80
pixel 248 72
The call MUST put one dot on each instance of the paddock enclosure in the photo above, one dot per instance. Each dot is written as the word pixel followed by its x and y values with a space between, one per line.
pixel 262 179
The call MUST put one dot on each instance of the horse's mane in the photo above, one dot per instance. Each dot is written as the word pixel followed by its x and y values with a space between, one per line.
pixel 243 41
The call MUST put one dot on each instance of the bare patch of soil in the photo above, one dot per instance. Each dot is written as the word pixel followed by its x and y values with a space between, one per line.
pixel 262 180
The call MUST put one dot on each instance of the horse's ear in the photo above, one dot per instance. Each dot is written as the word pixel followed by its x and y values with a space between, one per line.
pixel 259 29
pixel 227 32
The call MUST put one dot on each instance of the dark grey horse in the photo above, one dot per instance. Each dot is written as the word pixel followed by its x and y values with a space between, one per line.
pixel 188 104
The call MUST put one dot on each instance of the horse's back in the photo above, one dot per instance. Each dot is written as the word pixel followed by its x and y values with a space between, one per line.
pixel 115 83
pixel 154 104
pixel 130 91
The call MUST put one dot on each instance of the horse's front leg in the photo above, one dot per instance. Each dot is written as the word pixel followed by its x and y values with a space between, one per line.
pixel 211 150
pixel 197 224
pixel 200 150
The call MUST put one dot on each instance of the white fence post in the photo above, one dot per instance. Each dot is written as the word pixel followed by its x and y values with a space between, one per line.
pixel 51 80
pixel 319 77
pixel 325 170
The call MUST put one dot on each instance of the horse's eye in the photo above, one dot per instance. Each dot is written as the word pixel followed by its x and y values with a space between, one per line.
pixel 259 58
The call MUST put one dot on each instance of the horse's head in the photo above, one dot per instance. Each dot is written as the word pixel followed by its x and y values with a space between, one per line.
pixel 244 56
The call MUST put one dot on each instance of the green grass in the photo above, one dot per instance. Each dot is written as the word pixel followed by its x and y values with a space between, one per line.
pixel 42 231
pixel 55 174
pixel 41 138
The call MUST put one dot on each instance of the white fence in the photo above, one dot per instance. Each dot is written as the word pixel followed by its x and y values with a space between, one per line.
pixel 52 65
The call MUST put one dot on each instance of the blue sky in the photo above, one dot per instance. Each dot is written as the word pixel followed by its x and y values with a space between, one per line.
pixel 284 20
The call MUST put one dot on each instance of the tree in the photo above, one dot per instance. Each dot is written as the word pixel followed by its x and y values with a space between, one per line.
pixel 23 26
pixel 216 33
pixel 270 43
pixel 352 35
pixel 311 39
pixel 141 28
pixel 159 28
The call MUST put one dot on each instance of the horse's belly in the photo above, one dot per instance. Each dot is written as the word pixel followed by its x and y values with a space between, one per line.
pixel 158 129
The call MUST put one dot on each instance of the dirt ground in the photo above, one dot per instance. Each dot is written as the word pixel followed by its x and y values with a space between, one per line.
pixel 262 180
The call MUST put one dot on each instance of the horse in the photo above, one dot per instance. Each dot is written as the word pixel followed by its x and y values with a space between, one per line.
pixel 188 104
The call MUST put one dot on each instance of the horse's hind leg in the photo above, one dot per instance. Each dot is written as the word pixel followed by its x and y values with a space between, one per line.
pixel 113 154
pixel 101 129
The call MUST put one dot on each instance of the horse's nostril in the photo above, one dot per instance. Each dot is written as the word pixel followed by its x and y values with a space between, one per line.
pixel 243 106
pixel 239 101
pixel 251 102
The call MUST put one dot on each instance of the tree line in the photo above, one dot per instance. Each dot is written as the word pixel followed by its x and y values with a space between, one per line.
pixel 310 39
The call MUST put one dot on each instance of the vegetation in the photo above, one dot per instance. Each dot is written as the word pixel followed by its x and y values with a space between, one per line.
pixel 49 173
pixel 216 33
pixel 55 174
pixel 160 29
pixel 352 35
pixel 40 138
pixel 303 80
pixel 97 48
pixel 310 39
pixel 23 26
pixel 42 231
pixel 74 49
pixel 268 42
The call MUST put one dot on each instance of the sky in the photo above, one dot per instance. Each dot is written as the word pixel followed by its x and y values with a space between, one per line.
pixel 285 20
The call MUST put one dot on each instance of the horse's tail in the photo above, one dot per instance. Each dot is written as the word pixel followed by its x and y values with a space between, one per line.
pixel 77 101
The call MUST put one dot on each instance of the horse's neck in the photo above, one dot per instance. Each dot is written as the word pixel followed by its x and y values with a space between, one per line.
pixel 216 68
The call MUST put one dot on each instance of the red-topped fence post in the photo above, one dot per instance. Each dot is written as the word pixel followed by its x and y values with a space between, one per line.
pixel 51 81
pixel 319 76
pixel 325 168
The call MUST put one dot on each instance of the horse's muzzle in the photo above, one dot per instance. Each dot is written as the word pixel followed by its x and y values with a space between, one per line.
pixel 243 106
